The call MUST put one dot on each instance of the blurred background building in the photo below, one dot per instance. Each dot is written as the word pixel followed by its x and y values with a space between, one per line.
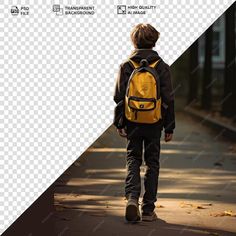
pixel 205 75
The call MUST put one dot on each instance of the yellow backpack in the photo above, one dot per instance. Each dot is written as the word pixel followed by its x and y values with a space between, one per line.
pixel 142 100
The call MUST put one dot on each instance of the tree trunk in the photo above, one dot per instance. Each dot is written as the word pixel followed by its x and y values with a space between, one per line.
pixel 207 71
pixel 229 98
pixel 194 73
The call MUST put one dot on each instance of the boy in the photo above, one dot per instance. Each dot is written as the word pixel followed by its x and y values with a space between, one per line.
pixel 144 38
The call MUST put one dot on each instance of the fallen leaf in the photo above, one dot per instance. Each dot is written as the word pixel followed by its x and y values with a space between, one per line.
pixel 199 207
pixel 230 213
pixel 196 206
pixel 218 164
pixel 183 204
pixel 206 204
pixel 225 213
pixel 91 200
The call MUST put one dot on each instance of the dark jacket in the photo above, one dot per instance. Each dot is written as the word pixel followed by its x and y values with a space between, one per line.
pixel 163 70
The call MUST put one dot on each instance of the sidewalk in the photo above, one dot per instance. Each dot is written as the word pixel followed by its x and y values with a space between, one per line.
pixel 197 187
pixel 214 120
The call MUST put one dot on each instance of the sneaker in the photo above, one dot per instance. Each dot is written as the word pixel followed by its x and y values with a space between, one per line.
pixel 132 213
pixel 149 216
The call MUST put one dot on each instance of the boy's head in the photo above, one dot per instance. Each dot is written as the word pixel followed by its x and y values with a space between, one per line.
pixel 144 36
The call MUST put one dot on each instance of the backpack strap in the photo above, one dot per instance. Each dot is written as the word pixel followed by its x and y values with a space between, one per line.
pixel 134 64
pixel 155 63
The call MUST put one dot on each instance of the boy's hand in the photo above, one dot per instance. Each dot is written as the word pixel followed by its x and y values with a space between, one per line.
pixel 122 133
pixel 168 137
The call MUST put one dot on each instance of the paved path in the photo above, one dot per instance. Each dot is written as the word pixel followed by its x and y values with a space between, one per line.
pixel 197 185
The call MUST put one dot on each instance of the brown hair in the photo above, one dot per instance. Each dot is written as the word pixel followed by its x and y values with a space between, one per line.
pixel 144 36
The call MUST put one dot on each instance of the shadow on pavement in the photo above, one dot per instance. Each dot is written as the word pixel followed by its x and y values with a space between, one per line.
pixel 89 196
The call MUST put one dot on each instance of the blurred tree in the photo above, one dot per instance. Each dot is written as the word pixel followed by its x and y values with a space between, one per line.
pixel 193 73
pixel 207 70
pixel 229 99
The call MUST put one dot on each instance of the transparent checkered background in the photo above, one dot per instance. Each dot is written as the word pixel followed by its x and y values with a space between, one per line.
pixel 57 77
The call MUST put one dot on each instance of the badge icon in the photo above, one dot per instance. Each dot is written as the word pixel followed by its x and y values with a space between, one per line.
pixel 121 9
pixel 14 10
pixel 57 9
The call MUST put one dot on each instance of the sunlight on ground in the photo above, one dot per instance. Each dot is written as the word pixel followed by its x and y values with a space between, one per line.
pixel 163 151
pixel 196 187
pixel 113 170
pixel 90 181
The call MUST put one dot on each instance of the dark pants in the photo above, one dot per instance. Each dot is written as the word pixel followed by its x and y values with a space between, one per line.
pixel 139 136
